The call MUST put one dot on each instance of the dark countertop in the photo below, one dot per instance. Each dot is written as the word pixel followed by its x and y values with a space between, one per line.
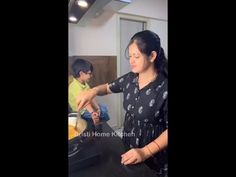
pixel 108 162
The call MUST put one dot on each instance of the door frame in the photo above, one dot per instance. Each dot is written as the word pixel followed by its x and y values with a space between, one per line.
pixel 147 26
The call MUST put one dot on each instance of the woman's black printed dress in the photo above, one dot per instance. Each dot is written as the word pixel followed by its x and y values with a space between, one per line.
pixel 146 115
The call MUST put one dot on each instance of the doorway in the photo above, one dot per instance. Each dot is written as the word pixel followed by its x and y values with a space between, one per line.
pixel 128 27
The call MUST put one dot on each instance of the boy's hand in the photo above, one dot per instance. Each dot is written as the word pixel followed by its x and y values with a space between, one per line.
pixel 95 117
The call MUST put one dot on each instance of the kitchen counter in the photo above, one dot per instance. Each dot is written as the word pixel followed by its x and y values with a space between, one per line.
pixel 108 162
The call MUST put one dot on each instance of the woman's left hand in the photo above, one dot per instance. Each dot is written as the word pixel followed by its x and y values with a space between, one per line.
pixel 134 156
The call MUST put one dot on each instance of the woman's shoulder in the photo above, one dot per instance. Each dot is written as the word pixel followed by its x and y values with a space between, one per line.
pixel 130 75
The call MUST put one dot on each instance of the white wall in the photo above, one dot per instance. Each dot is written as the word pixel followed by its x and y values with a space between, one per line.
pixel 156 11
pixel 99 37
pixel 147 8
pixel 161 28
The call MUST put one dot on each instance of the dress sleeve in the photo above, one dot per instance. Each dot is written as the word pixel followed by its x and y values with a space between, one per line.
pixel 118 85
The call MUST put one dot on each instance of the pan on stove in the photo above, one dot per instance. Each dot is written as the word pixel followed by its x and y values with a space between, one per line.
pixel 78 143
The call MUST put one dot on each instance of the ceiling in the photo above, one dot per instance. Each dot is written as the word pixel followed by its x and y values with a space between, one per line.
pixel 94 9
pixel 77 11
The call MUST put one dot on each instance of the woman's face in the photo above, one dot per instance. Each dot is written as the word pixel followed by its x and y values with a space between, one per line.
pixel 138 62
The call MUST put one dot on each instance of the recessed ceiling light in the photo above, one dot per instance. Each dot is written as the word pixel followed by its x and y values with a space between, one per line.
pixel 72 18
pixel 82 3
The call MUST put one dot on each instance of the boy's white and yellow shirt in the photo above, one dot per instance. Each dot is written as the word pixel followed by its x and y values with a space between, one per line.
pixel 75 88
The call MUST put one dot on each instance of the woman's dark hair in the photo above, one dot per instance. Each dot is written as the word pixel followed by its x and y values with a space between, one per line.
pixel 148 41
pixel 80 65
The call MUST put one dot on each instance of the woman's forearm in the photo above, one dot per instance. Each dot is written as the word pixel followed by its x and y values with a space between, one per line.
pixel 102 90
pixel 88 95
pixel 158 144
pixel 89 108
pixel 95 104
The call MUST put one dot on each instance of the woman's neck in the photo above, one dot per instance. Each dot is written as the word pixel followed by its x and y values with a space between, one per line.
pixel 146 77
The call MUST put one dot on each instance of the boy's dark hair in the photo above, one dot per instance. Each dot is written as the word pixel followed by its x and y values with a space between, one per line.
pixel 80 65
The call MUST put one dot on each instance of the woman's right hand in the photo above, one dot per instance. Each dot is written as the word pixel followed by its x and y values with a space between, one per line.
pixel 85 98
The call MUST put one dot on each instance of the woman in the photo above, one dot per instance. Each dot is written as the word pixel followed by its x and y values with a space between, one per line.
pixel 145 102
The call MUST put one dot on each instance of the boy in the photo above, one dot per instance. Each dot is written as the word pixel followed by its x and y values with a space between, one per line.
pixel 82 72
